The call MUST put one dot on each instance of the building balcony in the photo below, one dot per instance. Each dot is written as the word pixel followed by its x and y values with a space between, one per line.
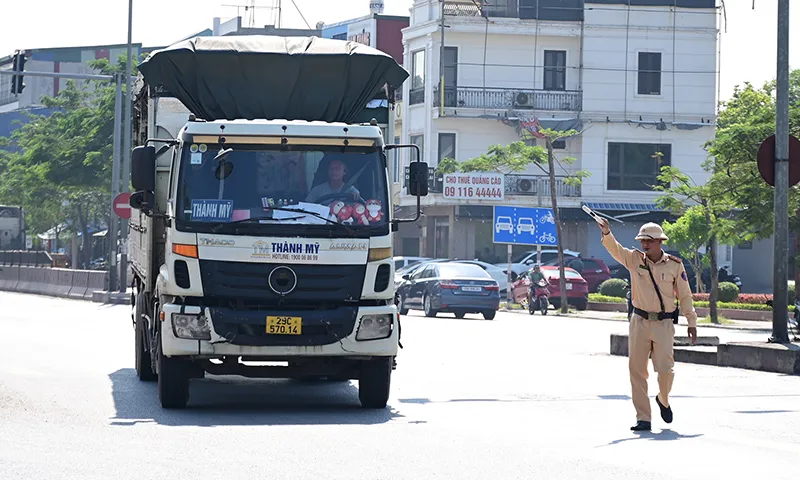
pixel 416 96
pixel 515 184
pixel 510 98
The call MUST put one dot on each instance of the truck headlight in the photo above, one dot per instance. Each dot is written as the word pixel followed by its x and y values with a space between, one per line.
pixel 192 327
pixel 374 327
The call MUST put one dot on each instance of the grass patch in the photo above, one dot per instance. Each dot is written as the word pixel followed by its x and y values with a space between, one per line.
pixel 723 320
pixel 597 298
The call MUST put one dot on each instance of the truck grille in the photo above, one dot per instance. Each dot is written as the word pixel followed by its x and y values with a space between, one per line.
pixel 251 281
pixel 319 327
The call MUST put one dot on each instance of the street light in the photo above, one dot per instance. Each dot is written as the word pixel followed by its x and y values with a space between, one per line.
pixel 126 151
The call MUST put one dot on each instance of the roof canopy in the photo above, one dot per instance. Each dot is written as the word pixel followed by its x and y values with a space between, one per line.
pixel 268 77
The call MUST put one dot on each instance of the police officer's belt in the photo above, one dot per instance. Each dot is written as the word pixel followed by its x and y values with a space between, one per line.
pixel 653 315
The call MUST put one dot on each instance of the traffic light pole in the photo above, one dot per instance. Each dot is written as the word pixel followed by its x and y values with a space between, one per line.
pixel 126 154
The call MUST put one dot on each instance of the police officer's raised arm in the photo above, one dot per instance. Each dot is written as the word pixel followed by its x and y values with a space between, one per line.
pixel 623 255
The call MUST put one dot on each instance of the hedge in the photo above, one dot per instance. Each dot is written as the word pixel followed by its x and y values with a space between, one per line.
pixel 597 298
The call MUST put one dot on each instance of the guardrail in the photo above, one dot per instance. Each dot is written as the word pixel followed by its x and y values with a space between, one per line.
pixel 55 282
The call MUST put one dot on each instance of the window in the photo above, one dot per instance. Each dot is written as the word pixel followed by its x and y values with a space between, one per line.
pixel 417 94
pixel 560 144
pixel 418 140
pixel 635 166
pixel 450 68
pixel 555 70
pixel 649 73
pixel 340 36
pixel 447 146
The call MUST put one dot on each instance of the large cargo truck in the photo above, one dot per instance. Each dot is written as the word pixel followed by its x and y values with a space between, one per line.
pixel 261 230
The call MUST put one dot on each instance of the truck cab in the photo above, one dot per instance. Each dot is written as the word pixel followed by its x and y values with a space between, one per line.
pixel 264 240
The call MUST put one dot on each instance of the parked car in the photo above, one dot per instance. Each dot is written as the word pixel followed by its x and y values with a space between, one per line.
pixel 593 270
pixel 577 287
pixel 453 287
pixel 526 260
pixel 500 275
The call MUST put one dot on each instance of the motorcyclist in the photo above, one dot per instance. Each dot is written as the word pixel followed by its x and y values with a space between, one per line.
pixel 536 275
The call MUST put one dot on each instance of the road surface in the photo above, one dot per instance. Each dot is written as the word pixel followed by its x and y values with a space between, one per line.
pixel 515 398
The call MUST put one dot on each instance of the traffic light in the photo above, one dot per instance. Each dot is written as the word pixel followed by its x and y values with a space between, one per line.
pixel 16 80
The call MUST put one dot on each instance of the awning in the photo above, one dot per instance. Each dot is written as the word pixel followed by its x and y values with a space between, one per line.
pixel 625 207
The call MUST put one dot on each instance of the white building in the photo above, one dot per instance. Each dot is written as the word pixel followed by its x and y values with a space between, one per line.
pixel 636 77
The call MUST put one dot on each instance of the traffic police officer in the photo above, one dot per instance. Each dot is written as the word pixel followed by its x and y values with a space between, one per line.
pixel 657 280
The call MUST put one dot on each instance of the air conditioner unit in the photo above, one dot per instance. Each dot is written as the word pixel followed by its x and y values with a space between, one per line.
pixel 523 99
pixel 526 185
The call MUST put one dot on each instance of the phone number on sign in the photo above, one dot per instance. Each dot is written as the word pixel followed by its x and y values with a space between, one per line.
pixel 473 192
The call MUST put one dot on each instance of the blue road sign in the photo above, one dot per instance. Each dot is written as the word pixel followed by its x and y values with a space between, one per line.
pixel 524 226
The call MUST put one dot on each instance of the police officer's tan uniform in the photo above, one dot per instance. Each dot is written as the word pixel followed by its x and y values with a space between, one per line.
pixel 650 330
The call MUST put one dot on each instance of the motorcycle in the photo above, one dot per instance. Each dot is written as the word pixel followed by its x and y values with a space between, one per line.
pixel 539 298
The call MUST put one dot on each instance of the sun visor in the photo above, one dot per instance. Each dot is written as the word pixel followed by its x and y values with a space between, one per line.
pixel 269 77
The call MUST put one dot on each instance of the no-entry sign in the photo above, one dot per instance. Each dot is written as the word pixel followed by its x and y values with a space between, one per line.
pixel 122 205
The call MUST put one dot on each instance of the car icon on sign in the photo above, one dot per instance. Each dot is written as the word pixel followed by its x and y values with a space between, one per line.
pixel 504 223
pixel 525 225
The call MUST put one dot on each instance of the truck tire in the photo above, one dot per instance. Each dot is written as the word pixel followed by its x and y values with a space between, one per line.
pixel 144 365
pixel 173 380
pixel 374 382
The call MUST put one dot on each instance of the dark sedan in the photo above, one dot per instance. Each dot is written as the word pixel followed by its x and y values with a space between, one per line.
pixel 457 288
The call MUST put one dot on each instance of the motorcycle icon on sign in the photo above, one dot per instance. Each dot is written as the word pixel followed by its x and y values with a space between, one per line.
pixel 525 225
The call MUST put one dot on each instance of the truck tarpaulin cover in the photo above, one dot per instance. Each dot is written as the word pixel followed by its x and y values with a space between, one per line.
pixel 268 77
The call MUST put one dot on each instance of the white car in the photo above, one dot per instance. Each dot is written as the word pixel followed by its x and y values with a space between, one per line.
pixel 525 225
pixel 504 223
pixel 526 260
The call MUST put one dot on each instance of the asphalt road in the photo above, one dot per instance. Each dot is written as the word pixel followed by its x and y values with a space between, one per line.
pixel 515 398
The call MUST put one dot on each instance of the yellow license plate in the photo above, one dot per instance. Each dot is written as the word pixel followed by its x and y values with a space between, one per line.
pixel 284 325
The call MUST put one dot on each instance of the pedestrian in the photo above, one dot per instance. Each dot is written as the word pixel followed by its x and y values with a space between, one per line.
pixel 657 281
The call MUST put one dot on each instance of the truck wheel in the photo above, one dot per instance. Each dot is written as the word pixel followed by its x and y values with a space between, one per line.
pixel 374 382
pixel 173 380
pixel 144 365
pixel 489 314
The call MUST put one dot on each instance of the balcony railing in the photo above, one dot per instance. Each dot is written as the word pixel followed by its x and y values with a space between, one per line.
pixel 515 184
pixel 416 96
pixel 510 98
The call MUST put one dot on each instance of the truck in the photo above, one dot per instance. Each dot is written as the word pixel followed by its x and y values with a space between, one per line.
pixel 261 232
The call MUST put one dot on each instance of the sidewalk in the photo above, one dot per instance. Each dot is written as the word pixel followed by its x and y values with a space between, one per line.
pixel 622 317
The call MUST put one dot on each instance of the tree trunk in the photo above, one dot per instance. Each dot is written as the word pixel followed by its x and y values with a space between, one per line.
pixel 712 251
pixel 562 281
pixel 87 243
pixel 697 264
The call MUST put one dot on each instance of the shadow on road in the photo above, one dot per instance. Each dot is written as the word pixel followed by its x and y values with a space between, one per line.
pixel 236 401
pixel 663 435
pixel 766 411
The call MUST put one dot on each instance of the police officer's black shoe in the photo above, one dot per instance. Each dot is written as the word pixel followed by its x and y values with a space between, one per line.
pixel 641 426
pixel 666 412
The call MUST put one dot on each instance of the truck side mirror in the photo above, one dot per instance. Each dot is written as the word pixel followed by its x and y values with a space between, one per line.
pixel 418 179
pixel 143 168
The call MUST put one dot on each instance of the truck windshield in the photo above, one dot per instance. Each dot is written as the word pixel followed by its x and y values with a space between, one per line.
pixel 322 183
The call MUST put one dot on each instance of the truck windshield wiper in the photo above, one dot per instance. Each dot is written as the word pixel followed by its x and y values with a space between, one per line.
pixel 220 225
pixel 314 214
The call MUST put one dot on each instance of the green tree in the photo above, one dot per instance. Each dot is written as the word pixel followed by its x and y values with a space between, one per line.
pixel 744 122
pixel 516 158
pixel 688 234
pixel 63 166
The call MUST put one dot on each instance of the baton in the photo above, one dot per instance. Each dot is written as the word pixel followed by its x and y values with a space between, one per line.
pixel 591 213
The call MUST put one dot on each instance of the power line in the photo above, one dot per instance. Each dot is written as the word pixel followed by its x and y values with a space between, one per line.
pixel 301 14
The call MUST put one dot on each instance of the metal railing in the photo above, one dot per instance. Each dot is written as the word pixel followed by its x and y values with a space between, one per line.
pixel 508 98
pixel 416 96
pixel 515 184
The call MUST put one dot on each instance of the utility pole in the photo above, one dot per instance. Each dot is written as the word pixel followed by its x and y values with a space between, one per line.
pixel 126 154
pixel 114 226
pixel 780 313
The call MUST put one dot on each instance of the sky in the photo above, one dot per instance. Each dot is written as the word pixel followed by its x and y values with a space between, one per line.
pixel 748 48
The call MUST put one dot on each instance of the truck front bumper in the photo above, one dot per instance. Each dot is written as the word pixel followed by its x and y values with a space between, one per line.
pixel 326 333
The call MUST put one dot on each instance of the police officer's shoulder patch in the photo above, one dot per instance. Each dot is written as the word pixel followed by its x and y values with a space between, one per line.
pixel 675 259
pixel 683 276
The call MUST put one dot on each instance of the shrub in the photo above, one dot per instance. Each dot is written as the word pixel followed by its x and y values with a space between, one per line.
pixel 728 292
pixel 792 293
pixel 613 287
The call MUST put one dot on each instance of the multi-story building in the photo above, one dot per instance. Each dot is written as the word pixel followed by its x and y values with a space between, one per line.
pixel 634 77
